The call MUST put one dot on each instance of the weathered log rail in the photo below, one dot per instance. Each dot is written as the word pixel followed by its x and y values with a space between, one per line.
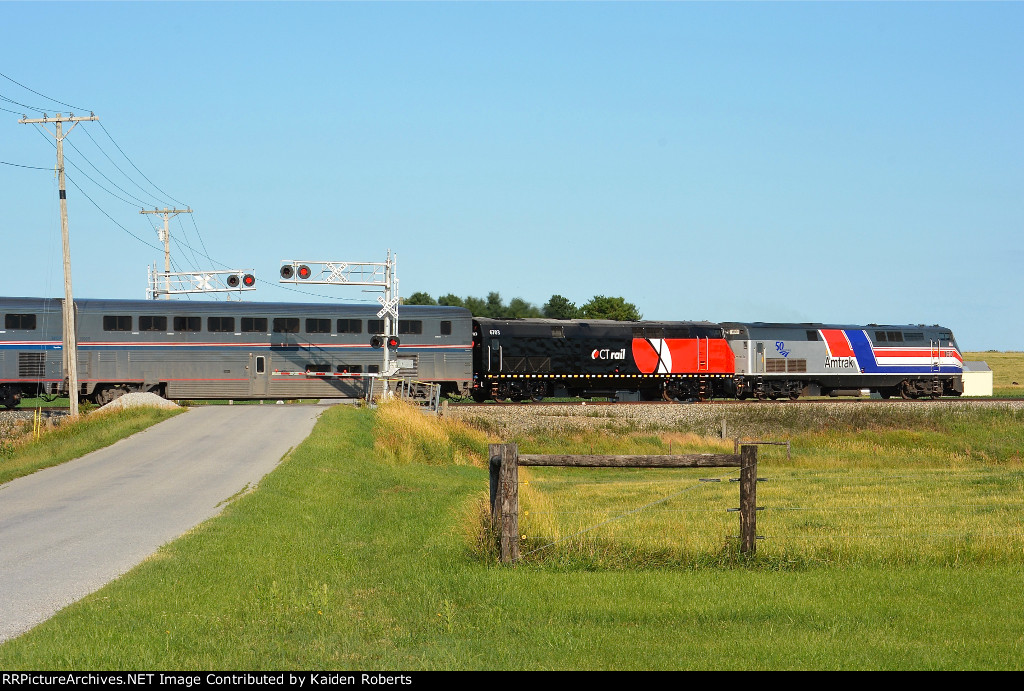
pixel 504 480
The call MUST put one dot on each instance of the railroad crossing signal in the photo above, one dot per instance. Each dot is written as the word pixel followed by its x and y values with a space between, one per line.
pixel 382 274
pixel 190 282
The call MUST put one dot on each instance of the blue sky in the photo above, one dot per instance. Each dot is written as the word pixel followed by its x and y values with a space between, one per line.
pixel 834 162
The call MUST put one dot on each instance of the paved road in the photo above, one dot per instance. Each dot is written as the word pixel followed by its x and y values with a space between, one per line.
pixel 67 531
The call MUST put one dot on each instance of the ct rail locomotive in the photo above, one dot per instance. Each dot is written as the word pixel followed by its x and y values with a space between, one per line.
pixel 536 358
pixel 240 350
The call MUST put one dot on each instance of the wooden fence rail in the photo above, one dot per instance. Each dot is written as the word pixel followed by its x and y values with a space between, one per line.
pixel 504 475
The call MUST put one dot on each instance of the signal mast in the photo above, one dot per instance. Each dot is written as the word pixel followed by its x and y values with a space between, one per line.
pixel 380 274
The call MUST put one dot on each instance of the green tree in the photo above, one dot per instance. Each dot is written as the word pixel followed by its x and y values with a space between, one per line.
pixel 476 306
pixel 450 300
pixel 601 307
pixel 419 298
pixel 519 308
pixel 559 307
pixel 495 306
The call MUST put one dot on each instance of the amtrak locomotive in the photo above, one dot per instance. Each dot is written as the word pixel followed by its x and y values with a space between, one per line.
pixel 237 350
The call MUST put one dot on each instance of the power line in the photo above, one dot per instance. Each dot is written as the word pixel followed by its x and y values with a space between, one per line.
pixel 23 105
pixel 140 201
pixel 135 166
pixel 39 94
pixel 127 177
pixel 18 165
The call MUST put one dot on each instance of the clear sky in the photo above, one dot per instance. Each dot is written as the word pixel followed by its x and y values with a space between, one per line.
pixel 834 162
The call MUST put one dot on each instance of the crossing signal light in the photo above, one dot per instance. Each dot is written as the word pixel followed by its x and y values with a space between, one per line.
pixel 248 280
pixel 393 343
pixel 233 281
pixel 305 271
pixel 377 342
pixel 287 271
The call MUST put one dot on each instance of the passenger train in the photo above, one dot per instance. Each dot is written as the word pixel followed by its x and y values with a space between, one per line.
pixel 248 350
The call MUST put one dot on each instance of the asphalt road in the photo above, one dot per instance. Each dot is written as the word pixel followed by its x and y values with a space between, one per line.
pixel 67 531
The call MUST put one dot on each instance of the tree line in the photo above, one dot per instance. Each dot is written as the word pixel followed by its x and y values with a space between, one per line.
pixel 558 307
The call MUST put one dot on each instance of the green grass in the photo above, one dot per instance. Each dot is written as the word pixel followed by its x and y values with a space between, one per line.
pixel 72 439
pixel 1007 371
pixel 357 554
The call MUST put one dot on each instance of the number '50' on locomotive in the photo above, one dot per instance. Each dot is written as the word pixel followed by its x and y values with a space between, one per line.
pixel 538 358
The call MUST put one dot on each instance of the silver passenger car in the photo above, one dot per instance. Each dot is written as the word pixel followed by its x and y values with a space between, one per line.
pixel 234 350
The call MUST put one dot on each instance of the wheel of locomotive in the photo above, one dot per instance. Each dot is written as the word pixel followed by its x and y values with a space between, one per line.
pixel 774 395
pixel 538 391
pixel 793 395
pixel 9 397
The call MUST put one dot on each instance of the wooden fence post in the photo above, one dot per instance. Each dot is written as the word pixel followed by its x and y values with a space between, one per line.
pixel 748 499
pixel 504 475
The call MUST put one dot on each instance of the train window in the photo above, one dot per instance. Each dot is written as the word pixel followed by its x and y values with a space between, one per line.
pixel 350 326
pixel 24 322
pixel 286 325
pixel 188 324
pixel 895 336
pixel 152 323
pixel 373 369
pixel 349 369
pixel 913 336
pixel 812 335
pixel 880 337
pixel 410 326
pixel 446 328
pixel 220 324
pixel 317 369
pixel 318 326
pixel 261 364
pixel 254 325
pixel 375 326
pixel 112 322
pixel 557 332
pixel 677 332
pixel 638 332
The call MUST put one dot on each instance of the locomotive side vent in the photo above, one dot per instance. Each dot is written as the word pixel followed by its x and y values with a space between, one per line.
pixel 31 364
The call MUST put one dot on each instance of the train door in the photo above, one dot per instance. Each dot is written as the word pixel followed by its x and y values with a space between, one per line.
pixel 259 374
pixel 494 355
pixel 758 364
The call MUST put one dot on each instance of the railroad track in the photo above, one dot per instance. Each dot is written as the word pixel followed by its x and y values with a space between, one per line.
pixel 729 402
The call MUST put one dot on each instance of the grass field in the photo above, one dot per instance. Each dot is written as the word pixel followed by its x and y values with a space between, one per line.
pixel 364 550
pixel 22 454
pixel 1007 371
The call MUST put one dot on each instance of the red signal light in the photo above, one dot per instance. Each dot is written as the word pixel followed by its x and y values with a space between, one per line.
pixel 393 342
pixel 248 280
pixel 305 271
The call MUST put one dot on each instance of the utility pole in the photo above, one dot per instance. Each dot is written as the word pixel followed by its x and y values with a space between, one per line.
pixel 70 342
pixel 165 236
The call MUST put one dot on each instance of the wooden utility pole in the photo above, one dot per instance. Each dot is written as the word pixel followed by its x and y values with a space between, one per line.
pixel 165 236
pixel 70 342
